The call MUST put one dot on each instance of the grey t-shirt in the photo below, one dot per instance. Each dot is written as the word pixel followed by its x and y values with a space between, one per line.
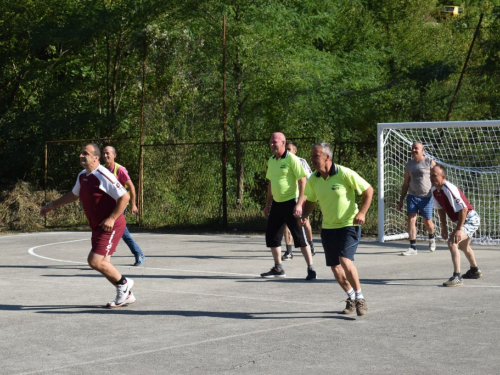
pixel 420 177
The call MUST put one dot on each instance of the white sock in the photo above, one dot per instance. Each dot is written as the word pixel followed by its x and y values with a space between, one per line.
pixel 350 294
pixel 358 294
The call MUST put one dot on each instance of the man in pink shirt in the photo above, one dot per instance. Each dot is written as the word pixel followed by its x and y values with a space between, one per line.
pixel 120 172
pixel 103 200
pixel 451 201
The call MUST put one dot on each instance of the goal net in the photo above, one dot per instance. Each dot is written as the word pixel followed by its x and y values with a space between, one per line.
pixel 469 150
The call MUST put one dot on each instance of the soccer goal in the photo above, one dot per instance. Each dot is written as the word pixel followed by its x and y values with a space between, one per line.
pixel 470 150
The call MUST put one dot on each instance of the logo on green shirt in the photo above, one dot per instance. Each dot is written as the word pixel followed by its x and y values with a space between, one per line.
pixel 335 187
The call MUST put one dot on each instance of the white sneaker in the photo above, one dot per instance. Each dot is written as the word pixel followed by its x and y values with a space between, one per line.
pixel 123 291
pixel 432 244
pixel 130 299
pixel 410 251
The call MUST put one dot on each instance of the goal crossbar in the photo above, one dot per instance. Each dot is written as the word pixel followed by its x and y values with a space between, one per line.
pixel 471 152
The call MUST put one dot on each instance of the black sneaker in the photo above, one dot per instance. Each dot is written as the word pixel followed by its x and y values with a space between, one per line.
pixel 472 275
pixel 311 275
pixel 287 256
pixel 273 273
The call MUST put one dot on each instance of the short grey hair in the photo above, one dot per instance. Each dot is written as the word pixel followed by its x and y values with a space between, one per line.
pixel 325 149
pixel 114 149
pixel 443 169
pixel 97 151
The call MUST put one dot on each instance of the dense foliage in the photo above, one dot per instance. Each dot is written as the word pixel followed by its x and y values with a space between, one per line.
pixel 330 69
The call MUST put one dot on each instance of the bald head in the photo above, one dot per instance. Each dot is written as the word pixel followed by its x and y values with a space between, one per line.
pixel 277 143
pixel 438 176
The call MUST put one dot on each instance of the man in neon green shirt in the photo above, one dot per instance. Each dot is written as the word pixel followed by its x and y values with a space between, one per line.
pixel 285 197
pixel 335 188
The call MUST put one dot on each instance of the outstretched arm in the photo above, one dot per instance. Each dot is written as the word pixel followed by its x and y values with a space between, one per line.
pixel 67 198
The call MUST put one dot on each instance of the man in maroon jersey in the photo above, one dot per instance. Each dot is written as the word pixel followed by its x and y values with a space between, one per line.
pixel 103 199
pixel 451 201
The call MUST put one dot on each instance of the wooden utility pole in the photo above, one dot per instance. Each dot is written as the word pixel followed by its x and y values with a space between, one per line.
pixel 140 195
pixel 224 127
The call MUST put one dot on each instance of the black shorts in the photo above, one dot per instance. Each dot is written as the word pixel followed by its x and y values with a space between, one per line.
pixel 282 213
pixel 341 242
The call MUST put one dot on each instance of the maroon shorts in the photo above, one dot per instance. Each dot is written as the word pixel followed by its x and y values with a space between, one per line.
pixel 104 243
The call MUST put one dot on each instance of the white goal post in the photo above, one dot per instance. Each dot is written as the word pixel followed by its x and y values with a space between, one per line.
pixel 470 151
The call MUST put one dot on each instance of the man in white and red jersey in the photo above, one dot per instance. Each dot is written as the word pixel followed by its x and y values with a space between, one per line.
pixel 103 200
pixel 451 201
pixel 121 174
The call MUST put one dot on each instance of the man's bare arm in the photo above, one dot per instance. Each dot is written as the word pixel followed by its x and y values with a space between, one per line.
pixel 67 198
pixel 366 200
pixel 121 204
pixel 131 188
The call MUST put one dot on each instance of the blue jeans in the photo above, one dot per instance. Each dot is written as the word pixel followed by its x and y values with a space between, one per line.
pixel 134 248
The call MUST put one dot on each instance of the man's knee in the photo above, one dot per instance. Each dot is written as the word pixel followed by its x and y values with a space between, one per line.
pixel 92 261
pixel 451 245
pixel 95 261
pixel 337 270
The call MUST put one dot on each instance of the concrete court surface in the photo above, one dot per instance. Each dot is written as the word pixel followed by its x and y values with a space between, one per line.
pixel 203 309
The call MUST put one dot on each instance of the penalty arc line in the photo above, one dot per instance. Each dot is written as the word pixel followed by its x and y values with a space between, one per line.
pixel 31 251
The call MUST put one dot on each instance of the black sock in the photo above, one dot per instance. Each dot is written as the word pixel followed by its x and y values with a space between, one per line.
pixel 474 269
pixel 289 249
pixel 122 281
pixel 413 244
pixel 431 236
pixel 456 274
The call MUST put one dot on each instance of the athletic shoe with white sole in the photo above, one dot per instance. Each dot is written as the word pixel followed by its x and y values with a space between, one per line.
pixel 454 281
pixel 273 273
pixel 287 256
pixel 130 299
pixel 123 291
pixel 432 245
pixel 410 251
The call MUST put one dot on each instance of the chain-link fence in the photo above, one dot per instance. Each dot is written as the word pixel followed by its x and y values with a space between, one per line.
pixel 183 183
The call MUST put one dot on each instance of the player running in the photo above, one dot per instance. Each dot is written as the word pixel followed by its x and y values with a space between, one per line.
pixel 103 199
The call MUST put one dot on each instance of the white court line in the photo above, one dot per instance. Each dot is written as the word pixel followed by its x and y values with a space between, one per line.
pixel 136 353
pixel 31 250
